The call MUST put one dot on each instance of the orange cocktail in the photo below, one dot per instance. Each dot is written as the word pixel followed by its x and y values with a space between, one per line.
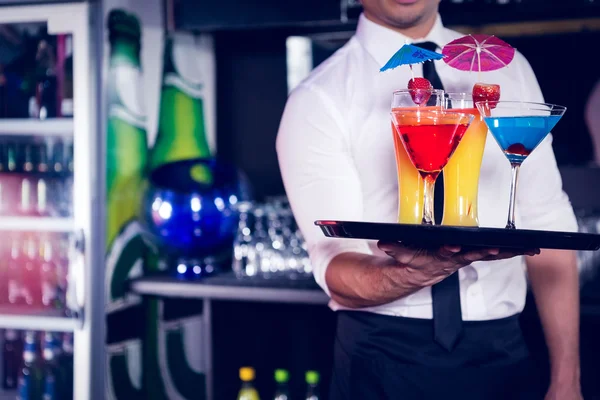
pixel 461 174
pixel 410 185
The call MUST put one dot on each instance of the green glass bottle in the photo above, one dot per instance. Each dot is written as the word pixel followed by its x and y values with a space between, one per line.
pixel 312 385
pixel 127 146
pixel 126 163
pixel 181 125
pixel 282 391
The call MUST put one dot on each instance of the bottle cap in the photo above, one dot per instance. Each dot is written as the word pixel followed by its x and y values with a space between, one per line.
pixel 247 374
pixel 282 376
pixel 123 23
pixel 312 377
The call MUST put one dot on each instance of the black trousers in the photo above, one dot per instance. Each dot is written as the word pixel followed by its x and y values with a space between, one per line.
pixel 382 357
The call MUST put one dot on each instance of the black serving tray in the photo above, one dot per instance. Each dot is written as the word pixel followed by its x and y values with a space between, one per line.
pixel 467 237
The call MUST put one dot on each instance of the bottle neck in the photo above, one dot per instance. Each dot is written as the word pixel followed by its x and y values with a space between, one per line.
pixel 125 51
pixel 247 384
pixel 311 391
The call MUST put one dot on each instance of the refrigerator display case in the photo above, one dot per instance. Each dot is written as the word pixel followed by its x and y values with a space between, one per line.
pixel 51 291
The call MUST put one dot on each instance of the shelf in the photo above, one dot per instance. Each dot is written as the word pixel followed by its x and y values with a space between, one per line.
pixel 22 318
pixel 227 287
pixel 50 127
pixel 36 224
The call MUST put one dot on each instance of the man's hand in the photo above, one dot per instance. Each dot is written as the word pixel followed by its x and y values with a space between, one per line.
pixel 358 280
pixel 426 267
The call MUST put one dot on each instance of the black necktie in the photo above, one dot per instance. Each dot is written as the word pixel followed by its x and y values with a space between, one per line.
pixel 447 317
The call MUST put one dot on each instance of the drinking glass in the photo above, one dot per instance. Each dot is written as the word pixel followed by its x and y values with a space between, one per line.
pixel 430 137
pixel 461 174
pixel 410 182
pixel 519 127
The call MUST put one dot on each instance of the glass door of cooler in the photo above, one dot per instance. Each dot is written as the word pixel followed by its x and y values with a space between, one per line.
pixel 46 184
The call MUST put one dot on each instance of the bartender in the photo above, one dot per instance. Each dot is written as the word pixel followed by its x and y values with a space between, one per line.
pixel 414 323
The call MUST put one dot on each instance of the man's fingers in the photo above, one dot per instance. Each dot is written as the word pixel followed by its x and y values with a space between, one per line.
pixel 477 255
pixel 397 251
pixel 512 253
pixel 388 247
pixel 448 251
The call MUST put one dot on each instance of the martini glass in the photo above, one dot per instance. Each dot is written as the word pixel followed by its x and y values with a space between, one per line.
pixel 410 182
pixel 430 138
pixel 519 127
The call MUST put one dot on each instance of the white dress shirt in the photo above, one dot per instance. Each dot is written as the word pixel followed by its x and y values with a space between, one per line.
pixel 336 155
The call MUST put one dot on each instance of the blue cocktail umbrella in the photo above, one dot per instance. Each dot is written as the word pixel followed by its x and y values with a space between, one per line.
pixel 410 54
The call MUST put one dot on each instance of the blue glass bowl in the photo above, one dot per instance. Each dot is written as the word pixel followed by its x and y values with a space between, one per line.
pixel 189 207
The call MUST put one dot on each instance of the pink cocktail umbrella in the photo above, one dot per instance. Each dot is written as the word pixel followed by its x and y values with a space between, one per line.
pixel 478 53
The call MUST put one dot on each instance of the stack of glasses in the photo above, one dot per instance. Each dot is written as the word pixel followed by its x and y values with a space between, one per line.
pixel 268 242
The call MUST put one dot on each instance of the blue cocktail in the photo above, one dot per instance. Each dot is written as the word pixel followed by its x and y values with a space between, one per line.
pixel 519 127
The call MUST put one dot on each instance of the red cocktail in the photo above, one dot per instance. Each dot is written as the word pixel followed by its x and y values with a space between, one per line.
pixel 430 138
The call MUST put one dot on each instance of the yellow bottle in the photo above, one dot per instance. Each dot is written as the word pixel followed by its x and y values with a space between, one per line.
pixel 247 391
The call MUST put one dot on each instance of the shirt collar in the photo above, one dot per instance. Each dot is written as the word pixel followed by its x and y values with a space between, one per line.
pixel 382 42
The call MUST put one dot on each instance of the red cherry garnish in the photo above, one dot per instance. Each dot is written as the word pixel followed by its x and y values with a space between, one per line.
pixel 519 149
pixel 486 92
pixel 420 90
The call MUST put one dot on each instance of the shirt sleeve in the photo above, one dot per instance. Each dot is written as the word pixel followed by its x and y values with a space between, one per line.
pixel 318 173
pixel 541 201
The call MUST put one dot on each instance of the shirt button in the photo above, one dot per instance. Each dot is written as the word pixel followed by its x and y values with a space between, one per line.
pixel 474 292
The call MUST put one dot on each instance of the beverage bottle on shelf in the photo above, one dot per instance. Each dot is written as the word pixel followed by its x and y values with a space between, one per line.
pixel 27 182
pixel 247 391
pixel 41 152
pixel 28 162
pixel 51 371
pixel 66 105
pixel 49 275
pixel 282 391
pixel 312 385
pixel 11 362
pixel 46 87
pixel 31 288
pixel 30 381
pixel 10 180
pixel 11 157
pixel 58 194
pixel 65 367
pixel 58 157
pixel 67 209
pixel 15 271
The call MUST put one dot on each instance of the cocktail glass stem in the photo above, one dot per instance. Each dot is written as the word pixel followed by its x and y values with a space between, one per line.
pixel 428 213
pixel 513 196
